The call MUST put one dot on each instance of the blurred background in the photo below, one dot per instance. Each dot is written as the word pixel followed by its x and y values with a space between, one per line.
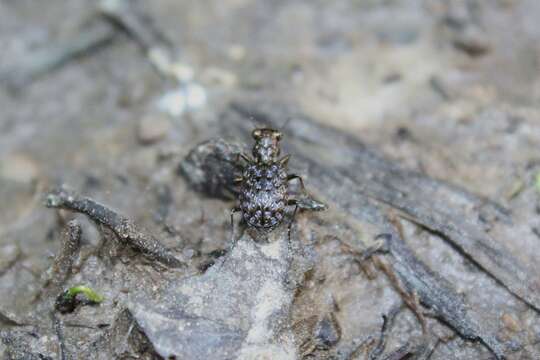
pixel 105 95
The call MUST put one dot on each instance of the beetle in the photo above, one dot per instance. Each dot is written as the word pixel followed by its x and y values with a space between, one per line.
pixel 264 182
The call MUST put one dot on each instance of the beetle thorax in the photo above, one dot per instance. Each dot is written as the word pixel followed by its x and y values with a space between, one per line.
pixel 266 149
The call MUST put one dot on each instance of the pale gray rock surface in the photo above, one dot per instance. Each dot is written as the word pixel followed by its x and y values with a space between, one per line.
pixel 238 309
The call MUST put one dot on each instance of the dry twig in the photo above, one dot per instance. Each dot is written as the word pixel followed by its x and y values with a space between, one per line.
pixel 125 230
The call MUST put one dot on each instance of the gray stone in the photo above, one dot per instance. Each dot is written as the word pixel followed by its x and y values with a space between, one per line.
pixel 153 128
pixel 238 309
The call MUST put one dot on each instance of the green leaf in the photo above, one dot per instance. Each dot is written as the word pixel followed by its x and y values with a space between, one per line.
pixel 89 293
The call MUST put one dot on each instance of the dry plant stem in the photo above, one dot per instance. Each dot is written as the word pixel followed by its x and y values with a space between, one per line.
pixel 388 321
pixel 45 60
pixel 434 347
pixel 126 231
pixel 406 351
pixel 137 25
pixel 437 295
pixel 152 41
pixel 362 348
pixel 95 36
pixel 411 300
pixel 361 257
pixel 63 263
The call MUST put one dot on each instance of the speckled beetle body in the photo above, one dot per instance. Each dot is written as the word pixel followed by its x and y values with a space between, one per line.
pixel 263 195
pixel 263 185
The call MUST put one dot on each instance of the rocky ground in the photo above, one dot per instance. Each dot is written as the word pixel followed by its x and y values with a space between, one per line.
pixel 444 90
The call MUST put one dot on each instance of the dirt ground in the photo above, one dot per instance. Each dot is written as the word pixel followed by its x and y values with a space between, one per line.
pixel 448 89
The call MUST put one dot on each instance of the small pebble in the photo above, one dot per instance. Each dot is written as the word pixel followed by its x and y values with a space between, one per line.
pixel 19 168
pixel 473 42
pixel 153 128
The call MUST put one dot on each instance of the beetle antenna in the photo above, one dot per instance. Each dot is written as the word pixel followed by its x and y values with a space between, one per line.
pixel 285 123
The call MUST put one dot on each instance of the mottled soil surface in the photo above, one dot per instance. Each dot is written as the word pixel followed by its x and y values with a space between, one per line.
pixel 449 89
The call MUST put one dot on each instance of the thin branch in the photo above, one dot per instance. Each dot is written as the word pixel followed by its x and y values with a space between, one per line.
pixel 63 262
pixel 43 61
pixel 126 231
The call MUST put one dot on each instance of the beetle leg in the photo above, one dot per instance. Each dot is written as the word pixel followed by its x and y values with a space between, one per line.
pixel 283 161
pixel 295 203
pixel 234 210
pixel 293 177
pixel 245 157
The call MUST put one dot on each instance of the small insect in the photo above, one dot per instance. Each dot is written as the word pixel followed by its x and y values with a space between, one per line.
pixel 263 186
